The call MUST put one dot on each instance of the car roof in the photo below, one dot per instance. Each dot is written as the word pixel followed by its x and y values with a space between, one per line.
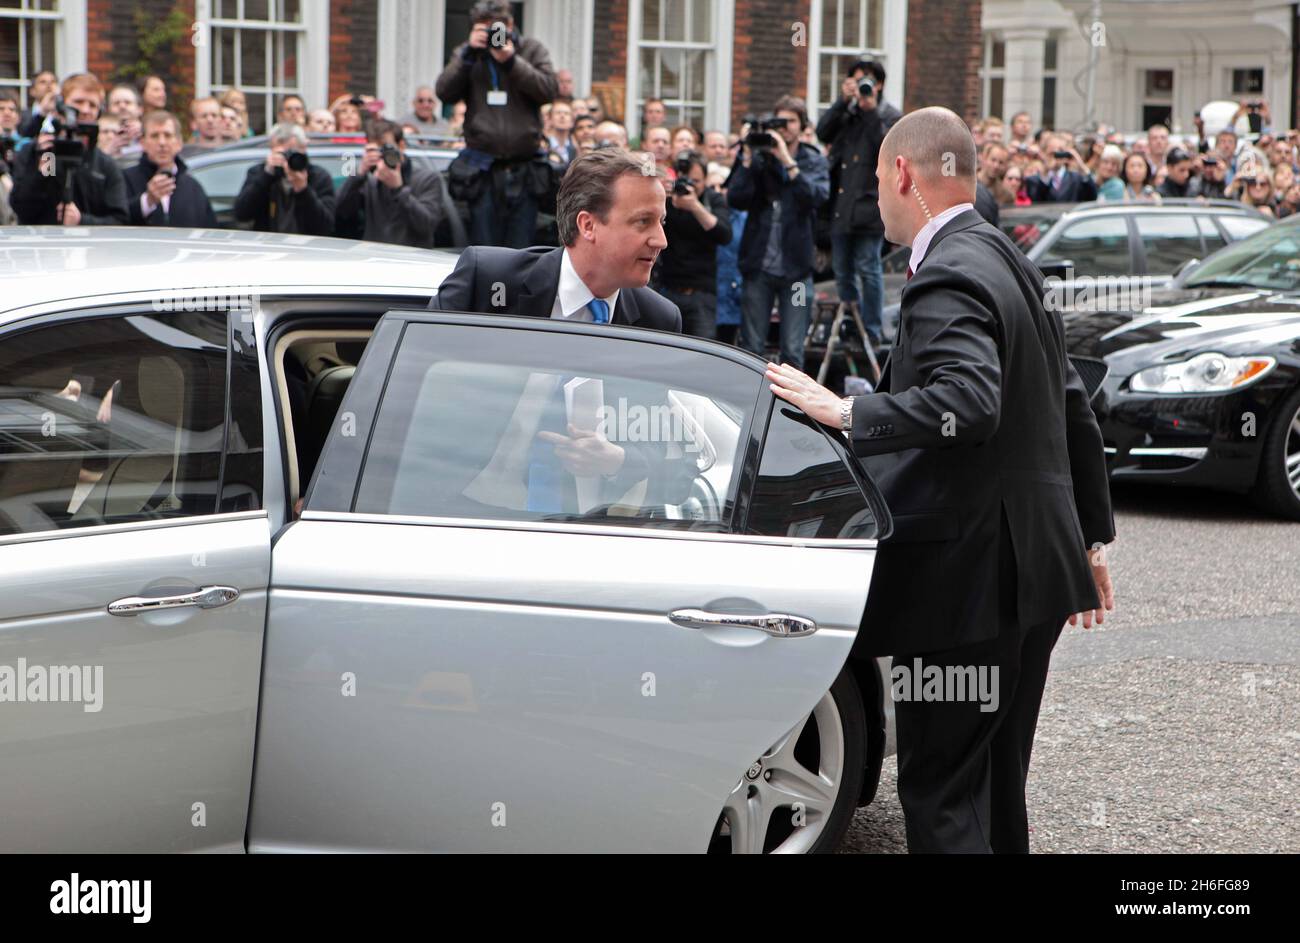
pixel 1164 207
pixel 40 265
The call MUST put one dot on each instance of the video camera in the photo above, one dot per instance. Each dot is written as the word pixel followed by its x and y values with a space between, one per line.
pixel 867 86
pixel 682 165
pixel 762 137
pixel 73 140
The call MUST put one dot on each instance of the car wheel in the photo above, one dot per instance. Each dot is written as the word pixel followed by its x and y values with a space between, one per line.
pixel 1277 489
pixel 799 796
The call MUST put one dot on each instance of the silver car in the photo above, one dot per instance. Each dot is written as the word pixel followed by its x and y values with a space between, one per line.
pixel 271 579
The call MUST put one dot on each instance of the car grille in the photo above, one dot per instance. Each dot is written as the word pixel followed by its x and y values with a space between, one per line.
pixel 1091 372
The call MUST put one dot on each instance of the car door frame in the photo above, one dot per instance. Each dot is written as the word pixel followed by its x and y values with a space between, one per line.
pixel 334 489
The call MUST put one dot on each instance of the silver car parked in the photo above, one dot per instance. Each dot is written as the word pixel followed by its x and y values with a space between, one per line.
pixel 270 578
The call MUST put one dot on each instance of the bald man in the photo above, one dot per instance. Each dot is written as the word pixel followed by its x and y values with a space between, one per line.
pixel 983 442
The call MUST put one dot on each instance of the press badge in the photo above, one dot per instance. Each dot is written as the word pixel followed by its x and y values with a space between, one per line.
pixel 496 97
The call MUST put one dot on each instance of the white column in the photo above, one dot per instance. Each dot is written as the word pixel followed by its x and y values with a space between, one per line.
pixel 1026 51
pixel 564 27
pixel 70 51
pixel 410 41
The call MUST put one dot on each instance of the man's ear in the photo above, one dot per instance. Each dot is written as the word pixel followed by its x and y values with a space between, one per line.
pixel 904 174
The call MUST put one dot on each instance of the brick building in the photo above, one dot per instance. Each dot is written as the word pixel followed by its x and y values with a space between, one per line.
pixel 712 61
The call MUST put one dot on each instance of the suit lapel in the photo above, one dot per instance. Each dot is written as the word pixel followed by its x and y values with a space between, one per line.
pixel 541 285
pixel 626 311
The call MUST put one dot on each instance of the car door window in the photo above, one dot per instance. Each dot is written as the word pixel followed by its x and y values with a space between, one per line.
pixel 1169 241
pixel 113 419
pixel 469 416
pixel 222 181
pixel 1095 247
pixel 1210 235
pixel 1239 227
pixel 805 487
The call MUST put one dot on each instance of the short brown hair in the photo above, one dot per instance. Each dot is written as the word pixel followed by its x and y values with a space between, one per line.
pixel 791 103
pixel 82 80
pixel 588 185
pixel 161 117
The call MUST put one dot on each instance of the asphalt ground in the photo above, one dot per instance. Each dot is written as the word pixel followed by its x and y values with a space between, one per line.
pixel 1175 727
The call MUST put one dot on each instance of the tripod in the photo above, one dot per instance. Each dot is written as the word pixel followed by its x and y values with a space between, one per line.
pixel 834 339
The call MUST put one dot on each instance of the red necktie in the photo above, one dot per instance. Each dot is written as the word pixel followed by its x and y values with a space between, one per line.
pixel 909 273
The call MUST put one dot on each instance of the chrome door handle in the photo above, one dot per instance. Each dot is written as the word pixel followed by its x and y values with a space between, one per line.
pixel 209 597
pixel 777 624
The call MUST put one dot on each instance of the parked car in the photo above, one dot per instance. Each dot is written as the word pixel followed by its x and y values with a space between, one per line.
pixel 1202 386
pixel 222 170
pixel 417 662
pixel 1147 241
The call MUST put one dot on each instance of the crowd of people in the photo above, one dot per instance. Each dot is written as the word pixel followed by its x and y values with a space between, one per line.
pixel 746 209
pixel 1021 165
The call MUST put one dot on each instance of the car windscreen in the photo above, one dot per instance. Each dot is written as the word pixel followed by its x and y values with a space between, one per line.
pixel 1268 259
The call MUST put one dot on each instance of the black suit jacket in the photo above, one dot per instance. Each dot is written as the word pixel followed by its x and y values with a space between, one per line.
pixel 1075 188
pixel 188 206
pixel 984 419
pixel 532 280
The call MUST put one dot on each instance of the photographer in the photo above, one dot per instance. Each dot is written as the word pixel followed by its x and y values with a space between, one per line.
pixel 85 187
pixel 1068 179
pixel 853 128
pixel 697 223
pixel 504 81
pixel 397 201
pixel 161 191
pixel 287 193
pixel 781 193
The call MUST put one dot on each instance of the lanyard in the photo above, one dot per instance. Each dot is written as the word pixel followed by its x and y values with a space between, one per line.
pixel 492 66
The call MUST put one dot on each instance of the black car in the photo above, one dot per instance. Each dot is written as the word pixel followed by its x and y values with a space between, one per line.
pixel 1202 385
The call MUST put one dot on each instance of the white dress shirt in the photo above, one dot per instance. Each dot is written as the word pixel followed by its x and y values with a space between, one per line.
pixel 572 298
pixel 921 244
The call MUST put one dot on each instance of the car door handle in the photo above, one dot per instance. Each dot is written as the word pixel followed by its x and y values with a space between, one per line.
pixel 777 624
pixel 208 597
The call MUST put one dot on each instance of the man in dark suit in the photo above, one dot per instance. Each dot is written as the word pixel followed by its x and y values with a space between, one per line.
pixel 160 190
pixel 1068 179
pixel 610 213
pixel 989 455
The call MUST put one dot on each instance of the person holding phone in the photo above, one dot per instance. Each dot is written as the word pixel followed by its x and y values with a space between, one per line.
pixel 160 190
pixel 1067 178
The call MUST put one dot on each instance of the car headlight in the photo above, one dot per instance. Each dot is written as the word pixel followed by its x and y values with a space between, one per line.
pixel 1204 373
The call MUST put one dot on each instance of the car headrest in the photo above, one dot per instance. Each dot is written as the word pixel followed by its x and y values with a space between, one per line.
pixel 162 390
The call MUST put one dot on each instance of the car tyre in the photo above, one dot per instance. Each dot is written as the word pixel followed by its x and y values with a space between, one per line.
pixel 823 760
pixel 1277 487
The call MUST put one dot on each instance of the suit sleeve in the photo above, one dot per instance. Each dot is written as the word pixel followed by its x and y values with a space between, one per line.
pixel 315 205
pixel 1087 462
pixel 951 337
pixel 253 194
pixel 456 293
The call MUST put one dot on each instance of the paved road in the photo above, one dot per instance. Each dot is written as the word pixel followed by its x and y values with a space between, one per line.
pixel 1176 727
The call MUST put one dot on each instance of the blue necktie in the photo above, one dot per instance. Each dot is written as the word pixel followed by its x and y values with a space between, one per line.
pixel 599 310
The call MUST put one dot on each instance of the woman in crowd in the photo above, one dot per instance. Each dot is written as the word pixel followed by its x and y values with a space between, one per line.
pixel 1011 189
pixel 1138 185
pixel 1254 190
pixel 1109 184
pixel 153 93
pixel 685 139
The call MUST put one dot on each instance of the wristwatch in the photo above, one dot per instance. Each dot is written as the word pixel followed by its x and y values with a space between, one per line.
pixel 846 413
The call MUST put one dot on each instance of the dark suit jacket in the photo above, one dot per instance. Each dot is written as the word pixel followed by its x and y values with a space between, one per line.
pixel 986 204
pixel 532 279
pixel 1075 188
pixel 188 206
pixel 984 419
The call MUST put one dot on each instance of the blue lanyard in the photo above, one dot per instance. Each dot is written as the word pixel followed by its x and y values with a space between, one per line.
pixel 496 84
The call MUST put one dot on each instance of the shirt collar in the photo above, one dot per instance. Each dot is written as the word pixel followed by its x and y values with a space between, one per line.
pixel 921 244
pixel 574 294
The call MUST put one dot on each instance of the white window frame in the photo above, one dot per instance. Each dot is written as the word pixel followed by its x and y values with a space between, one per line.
pixel 717 79
pixel 891 54
pixel 988 72
pixel 313 65
pixel 68 21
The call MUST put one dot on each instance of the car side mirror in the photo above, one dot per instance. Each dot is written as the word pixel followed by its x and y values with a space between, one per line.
pixel 1187 268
